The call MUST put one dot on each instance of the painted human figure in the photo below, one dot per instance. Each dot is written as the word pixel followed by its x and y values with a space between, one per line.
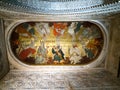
pixel 26 30
pixel 58 55
pixel 41 57
pixel 27 51
pixel 74 28
pixel 58 30
pixel 43 29
pixel 71 29
pixel 89 53
pixel 78 25
pixel 75 54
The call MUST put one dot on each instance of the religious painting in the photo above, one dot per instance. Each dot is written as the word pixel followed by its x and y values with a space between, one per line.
pixel 57 43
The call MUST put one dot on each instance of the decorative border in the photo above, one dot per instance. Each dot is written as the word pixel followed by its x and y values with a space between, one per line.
pixel 14 61
pixel 85 8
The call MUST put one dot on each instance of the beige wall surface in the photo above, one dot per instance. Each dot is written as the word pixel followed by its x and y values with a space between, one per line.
pixel 112 61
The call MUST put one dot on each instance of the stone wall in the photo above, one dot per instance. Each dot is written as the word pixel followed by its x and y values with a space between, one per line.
pixel 112 61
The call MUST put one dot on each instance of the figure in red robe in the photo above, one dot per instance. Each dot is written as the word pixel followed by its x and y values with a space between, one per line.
pixel 25 53
pixel 59 29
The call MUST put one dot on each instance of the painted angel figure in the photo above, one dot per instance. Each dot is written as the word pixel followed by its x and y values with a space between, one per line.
pixel 26 30
pixel 43 29
pixel 58 30
pixel 71 29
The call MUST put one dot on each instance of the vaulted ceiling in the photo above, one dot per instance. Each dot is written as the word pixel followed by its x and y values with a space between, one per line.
pixel 25 8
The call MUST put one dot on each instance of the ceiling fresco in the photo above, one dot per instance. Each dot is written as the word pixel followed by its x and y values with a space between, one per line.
pixel 56 43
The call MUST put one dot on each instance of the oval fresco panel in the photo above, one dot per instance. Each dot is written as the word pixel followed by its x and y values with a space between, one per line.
pixel 57 43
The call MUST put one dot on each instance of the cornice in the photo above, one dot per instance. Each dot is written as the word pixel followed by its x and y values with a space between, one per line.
pixel 85 9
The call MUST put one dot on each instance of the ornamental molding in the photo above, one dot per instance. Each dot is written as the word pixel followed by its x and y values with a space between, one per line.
pixel 37 8
pixel 21 66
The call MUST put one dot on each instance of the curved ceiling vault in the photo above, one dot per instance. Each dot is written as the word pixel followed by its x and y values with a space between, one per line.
pixel 44 8
pixel 58 7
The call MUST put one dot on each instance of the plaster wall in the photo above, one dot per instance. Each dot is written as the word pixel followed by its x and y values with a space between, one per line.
pixel 112 61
